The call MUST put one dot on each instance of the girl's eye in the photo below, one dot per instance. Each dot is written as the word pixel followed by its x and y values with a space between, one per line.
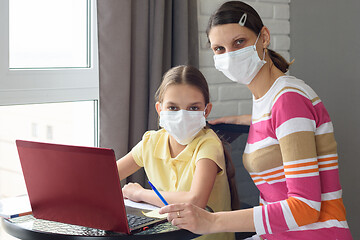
pixel 194 108
pixel 172 108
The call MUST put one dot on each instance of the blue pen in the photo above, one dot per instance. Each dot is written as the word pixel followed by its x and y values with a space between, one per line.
pixel 157 193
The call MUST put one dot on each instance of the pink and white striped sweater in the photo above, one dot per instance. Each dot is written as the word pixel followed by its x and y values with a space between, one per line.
pixel 291 155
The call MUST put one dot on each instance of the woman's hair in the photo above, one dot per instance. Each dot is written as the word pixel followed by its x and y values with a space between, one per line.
pixel 192 76
pixel 231 12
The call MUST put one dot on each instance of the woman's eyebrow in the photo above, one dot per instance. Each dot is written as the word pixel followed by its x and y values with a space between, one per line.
pixel 214 45
pixel 241 35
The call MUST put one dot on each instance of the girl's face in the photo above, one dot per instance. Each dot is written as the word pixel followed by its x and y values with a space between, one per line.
pixel 231 37
pixel 185 97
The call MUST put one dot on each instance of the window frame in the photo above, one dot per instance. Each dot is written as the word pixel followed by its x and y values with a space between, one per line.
pixel 28 86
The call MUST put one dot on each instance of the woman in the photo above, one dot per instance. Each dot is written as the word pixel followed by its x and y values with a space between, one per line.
pixel 291 151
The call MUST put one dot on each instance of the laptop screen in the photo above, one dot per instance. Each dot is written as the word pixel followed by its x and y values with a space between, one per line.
pixel 72 184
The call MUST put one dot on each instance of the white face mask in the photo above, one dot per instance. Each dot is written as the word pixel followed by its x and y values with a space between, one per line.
pixel 182 125
pixel 241 65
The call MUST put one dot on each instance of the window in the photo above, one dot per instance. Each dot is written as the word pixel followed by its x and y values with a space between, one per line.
pixel 68 123
pixel 48 77
pixel 49 86
pixel 49 51
pixel 56 37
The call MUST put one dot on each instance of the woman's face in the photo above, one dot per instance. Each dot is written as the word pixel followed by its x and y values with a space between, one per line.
pixel 231 37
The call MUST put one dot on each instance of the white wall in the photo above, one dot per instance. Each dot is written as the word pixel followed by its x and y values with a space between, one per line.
pixel 231 98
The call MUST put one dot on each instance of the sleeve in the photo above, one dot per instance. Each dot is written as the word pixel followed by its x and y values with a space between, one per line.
pixel 137 151
pixel 211 148
pixel 293 119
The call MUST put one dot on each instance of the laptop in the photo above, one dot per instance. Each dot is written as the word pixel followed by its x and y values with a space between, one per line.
pixel 77 185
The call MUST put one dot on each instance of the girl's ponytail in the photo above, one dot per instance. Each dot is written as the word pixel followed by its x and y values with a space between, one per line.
pixel 230 171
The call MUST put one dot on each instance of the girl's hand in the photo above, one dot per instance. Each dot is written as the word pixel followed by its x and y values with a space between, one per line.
pixel 241 120
pixel 133 191
pixel 190 217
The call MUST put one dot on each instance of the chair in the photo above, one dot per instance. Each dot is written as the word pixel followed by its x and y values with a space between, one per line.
pixel 236 136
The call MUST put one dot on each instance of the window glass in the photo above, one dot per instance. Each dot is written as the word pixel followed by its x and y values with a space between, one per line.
pixel 72 123
pixel 48 33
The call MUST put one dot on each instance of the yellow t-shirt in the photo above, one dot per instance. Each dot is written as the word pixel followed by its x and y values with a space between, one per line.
pixel 176 174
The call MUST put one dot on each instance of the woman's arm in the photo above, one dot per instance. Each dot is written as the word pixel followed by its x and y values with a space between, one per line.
pixel 197 220
pixel 126 166
pixel 294 122
pixel 241 120
pixel 201 187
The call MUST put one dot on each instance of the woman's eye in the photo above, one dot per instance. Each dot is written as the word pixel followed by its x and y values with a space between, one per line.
pixel 239 42
pixel 218 50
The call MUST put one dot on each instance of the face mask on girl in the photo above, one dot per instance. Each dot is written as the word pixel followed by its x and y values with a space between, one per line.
pixel 183 125
pixel 241 65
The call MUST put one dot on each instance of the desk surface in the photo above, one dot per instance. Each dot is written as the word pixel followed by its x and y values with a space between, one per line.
pixel 30 228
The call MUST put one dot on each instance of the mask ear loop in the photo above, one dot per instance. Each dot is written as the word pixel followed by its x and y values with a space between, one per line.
pixel 264 55
pixel 257 39
pixel 242 20
pixel 256 43
pixel 205 110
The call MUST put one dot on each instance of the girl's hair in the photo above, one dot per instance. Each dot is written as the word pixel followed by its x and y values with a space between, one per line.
pixel 231 12
pixel 183 74
pixel 192 76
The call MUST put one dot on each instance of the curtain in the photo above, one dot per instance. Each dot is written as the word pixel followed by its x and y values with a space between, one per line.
pixel 139 40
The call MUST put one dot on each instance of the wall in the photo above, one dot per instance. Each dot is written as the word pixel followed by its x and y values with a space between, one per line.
pixel 325 45
pixel 231 98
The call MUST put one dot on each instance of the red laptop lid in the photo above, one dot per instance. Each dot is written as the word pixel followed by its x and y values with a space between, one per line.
pixel 72 184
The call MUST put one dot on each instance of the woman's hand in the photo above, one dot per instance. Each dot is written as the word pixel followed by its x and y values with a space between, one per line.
pixel 241 120
pixel 133 191
pixel 190 217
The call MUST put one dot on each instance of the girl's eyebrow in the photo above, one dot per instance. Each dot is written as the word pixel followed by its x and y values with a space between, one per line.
pixel 195 103
pixel 171 103
pixel 190 104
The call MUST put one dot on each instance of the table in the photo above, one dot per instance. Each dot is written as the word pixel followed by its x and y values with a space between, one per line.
pixel 29 228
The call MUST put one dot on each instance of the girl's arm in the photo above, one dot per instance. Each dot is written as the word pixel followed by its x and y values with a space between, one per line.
pixel 201 187
pixel 197 220
pixel 126 166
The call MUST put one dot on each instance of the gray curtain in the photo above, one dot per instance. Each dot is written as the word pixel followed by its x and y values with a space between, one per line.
pixel 138 41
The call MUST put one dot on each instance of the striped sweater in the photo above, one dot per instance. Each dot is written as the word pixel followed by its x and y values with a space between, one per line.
pixel 291 156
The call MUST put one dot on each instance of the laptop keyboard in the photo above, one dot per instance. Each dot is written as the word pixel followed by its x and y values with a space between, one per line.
pixel 31 223
pixel 135 221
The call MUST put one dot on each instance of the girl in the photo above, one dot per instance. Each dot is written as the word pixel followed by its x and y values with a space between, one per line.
pixel 184 160
pixel 291 151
